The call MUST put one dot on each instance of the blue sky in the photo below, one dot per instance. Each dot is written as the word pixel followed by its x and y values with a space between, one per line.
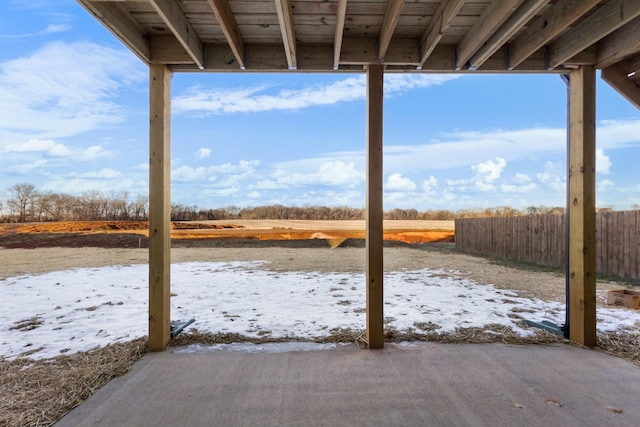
pixel 73 118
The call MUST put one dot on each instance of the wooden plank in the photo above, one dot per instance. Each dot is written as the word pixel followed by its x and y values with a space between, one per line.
pixel 627 230
pixel 600 242
pixel 159 206
pixel 608 18
pixel 582 189
pixel 486 25
pixel 617 78
pixel 341 13
pixel 120 24
pixel 509 29
pixel 394 8
pixel 438 25
pixel 618 45
pixel 287 28
pixel 552 23
pixel 636 246
pixel 227 22
pixel 181 28
pixel 374 214
pixel 633 244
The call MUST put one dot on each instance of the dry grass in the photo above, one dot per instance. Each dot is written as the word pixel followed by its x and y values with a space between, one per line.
pixel 624 345
pixel 39 393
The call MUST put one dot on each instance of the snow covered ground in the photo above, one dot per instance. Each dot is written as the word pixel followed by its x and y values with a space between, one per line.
pixel 76 310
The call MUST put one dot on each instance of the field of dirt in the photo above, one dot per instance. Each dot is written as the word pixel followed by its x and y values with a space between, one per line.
pixel 92 233
pixel 288 245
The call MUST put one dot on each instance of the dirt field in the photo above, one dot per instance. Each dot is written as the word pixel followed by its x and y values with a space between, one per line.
pixel 528 283
pixel 336 231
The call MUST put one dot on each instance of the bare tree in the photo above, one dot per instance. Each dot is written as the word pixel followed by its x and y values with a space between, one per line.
pixel 20 200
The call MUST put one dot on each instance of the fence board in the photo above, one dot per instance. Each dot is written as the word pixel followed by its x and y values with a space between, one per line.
pixel 541 239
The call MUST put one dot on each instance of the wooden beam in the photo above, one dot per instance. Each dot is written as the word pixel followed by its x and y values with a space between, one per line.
pixel 634 66
pixel 341 14
pixel 491 19
pixel 159 206
pixel 168 50
pixel 554 21
pixel 177 22
pixel 394 8
pixel 438 25
pixel 618 45
pixel 403 56
pixel 375 293
pixel 227 21
pixel 287 28
pixel 617 78
pixel 582 213
pixel 611 16
pixel 511 26
pixel 121 25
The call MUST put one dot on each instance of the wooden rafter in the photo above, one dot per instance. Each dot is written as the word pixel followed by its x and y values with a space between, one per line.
pixel 177 22
pixel 116 20
pixel 618 45
pixel 440 22
pixel 547 27
pixel 611 16
pixel 491 19
pixel 617 77
pixel 227 21
pixel 341 14
pixel 287 28
pixel 511 26
pixel 394 8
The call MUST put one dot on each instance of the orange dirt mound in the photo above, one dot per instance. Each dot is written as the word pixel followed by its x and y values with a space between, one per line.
pixel 197 230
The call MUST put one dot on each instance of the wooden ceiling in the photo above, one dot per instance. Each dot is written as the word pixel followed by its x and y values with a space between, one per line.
pixel 443 36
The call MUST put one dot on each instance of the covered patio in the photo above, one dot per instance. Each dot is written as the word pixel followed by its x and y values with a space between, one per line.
pixel 424 384
pixel 566 37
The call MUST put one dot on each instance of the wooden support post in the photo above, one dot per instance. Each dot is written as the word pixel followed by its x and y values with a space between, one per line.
pixel 375 315
pixel 582 215
pixel 159 206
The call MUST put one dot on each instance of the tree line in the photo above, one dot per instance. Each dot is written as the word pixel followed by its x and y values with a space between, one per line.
pixel 25 203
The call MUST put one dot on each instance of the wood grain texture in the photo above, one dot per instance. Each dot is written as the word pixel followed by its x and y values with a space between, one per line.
pixel 159 206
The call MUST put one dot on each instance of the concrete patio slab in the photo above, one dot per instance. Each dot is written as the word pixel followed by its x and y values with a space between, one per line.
pixel 423 384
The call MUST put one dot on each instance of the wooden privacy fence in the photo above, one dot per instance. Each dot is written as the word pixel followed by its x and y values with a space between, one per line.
pixel 540 239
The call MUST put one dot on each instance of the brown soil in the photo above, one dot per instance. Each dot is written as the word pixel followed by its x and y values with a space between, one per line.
pixel 95 233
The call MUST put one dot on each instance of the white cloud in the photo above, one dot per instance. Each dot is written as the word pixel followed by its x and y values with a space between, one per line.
pixel 203 153
pixel 332 173
pixel 554 176
pixel 603 162
pixel 63 89
pixel 489 171
pixel 186 173
pixel 522 178
pixel 618 133
pixel 46 146
pixel 25 168
pixel 429 184
pixel 50 29
pixel 605 184
pixel 94 152
pixel 396 182
pixel 106 173
pixel 256 99
pixel 512 188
